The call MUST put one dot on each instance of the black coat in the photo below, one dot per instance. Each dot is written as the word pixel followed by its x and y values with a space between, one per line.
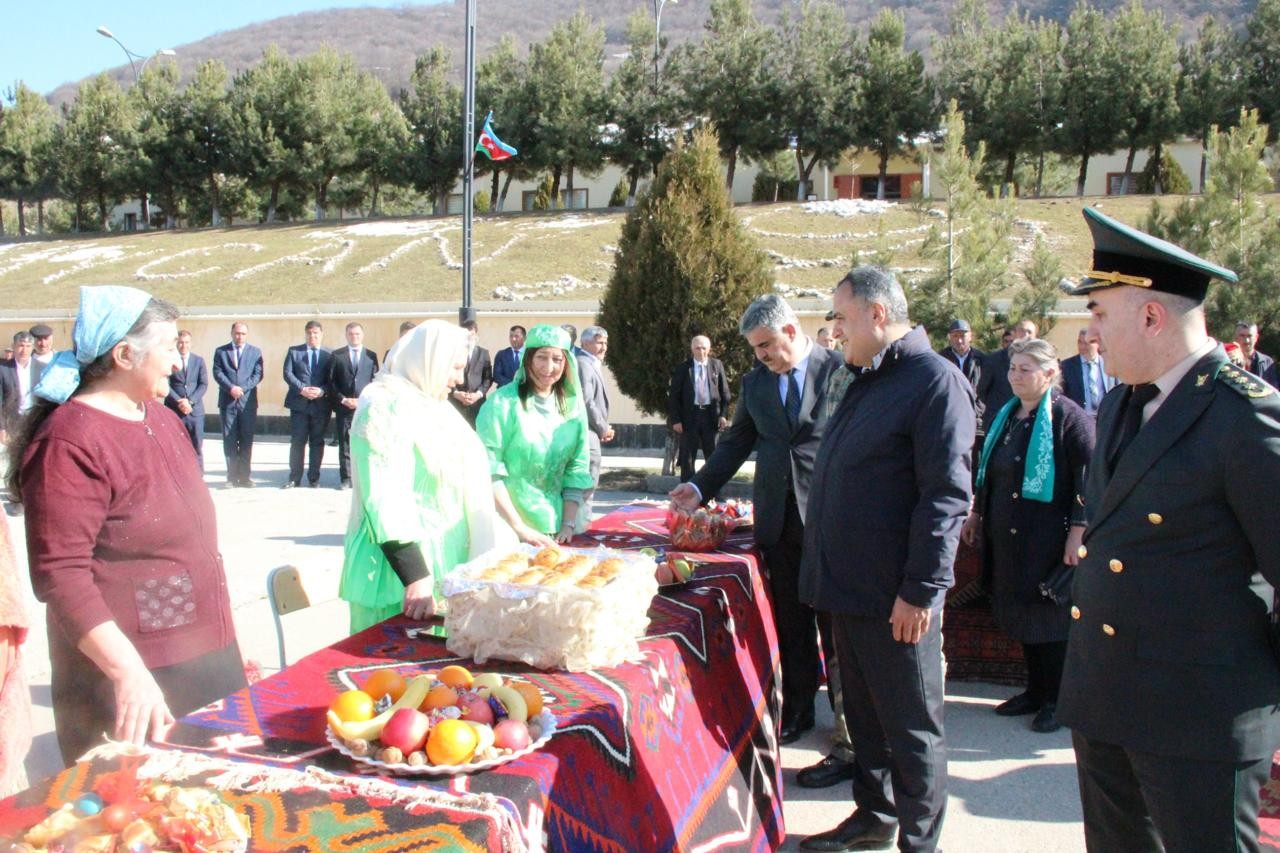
pixel 1264 367
pixel 344 381
pixel 1168 651
pixel 972 368
pixel 1073 379
pixel 680 408
pixel 246 374
pixel 993 389
pixel 891 486
pixel 784 456
pixel 1028 545
pixel 189 384
pixel 298 375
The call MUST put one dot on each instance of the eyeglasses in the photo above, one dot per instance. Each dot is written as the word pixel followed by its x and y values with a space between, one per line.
pixel 1118 278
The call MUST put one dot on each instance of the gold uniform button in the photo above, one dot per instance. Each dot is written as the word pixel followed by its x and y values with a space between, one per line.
pixel 1082 552
pixel 1075 612
pixel 1108 630
pixel 1155 518
pixel 1116 566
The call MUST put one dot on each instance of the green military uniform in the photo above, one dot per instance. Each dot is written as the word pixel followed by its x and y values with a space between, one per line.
pixel 1170 685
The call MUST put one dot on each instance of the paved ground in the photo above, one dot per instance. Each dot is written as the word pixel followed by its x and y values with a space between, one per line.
pixel 1010 789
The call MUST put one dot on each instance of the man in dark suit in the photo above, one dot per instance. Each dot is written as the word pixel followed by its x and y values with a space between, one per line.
pixel 354 367
pixel 993 389
pixel 889 495
pixel 237 370
pixel 18 375
pixel 468 396
pixel 595 343
pixel 1258 363
pixel 697 404
pixel 779 417
pixel 187 385
pixel 1171 685
pixel 306 371
pixel 507 361
pixel 1084 379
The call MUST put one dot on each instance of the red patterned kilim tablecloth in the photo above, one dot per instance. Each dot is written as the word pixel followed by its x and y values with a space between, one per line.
pixel 676 751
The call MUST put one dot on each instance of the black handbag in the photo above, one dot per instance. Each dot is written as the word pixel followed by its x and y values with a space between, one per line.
pixel 1057 586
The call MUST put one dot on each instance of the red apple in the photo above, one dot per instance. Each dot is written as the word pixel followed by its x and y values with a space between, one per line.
pixel 477 710
pixel 406 730
pixel 511 734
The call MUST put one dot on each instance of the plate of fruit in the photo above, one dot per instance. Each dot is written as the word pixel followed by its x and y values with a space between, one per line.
pixel 439 724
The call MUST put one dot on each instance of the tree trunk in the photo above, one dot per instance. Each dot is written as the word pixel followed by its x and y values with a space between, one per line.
pixel 633 182
pixel 884 173
pixel 1 220
pixel 1040 175
pixel 802 176
pixel 733 164
pixel 1204 158
pixel 1084 172
pixel 145 208
pixel 569 188
pixel 555 187
pixel 1010 163
pixel 104 215
pixel 506 185
pixel 1158 153
pixel 1128 169
pixel 22 218
pixel 373 204
pixel 39 216
pixel 215 216
pixel 273 201
pixel 494 204
pixel 322 198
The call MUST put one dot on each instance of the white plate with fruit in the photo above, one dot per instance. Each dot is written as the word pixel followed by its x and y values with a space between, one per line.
pixel 441 724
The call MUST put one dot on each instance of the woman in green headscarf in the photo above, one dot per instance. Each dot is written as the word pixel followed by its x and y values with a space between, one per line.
pixel 421 504
pixel 535 431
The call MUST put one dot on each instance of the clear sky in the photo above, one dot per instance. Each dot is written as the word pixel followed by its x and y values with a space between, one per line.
pixel 46 43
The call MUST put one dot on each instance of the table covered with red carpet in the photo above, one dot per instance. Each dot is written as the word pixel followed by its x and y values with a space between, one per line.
pixel 676 750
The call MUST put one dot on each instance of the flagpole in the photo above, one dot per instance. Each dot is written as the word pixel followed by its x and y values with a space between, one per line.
pixel 466 312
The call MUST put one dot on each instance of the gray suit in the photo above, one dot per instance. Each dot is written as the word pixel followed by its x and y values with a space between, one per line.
pixel 784 469
pixel 596 401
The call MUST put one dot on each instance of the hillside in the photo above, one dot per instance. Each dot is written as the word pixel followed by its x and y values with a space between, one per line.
pixel 387 40
pixel 546 256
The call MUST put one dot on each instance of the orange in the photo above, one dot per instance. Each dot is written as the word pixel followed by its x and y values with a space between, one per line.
pixel 440 696
pixel 455 676
pixel 451 742
pixel 353 706
pixel 531 694
pixel 385 682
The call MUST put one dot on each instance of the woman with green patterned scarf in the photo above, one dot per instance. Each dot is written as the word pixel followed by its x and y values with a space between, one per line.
pixel 535 431
pixel 1030 513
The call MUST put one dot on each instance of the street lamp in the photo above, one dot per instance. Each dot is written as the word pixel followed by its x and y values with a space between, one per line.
pixel 657 37
pixel 130 55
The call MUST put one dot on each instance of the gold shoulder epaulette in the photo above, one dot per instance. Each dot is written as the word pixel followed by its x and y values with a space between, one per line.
pixel 1243 382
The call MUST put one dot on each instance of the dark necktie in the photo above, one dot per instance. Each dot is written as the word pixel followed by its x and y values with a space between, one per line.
pixel 1139 396
pixel 792 403
pixel 237 364
pixel 311 364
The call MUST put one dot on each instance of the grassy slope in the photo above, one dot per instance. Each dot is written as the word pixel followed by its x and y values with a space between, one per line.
pixel 575 250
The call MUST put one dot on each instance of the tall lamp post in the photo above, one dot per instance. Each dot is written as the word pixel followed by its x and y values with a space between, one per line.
pixel 137 74
pixel 657 46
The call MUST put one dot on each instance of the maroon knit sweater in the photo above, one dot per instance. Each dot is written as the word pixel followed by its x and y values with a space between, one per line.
pixel 120 526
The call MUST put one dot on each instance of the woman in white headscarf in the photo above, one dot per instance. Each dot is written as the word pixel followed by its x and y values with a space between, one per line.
pixel 422 502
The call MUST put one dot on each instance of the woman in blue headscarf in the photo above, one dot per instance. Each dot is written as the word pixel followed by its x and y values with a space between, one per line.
pixel 1030 511
pixel 122 541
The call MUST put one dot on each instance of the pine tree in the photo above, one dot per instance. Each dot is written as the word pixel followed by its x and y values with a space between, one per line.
pixel 685 266
pixel 973 249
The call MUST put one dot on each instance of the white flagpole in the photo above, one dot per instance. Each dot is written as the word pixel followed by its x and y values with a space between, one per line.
pixel 468 156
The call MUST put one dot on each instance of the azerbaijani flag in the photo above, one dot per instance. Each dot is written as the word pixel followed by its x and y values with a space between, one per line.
pixel 490 145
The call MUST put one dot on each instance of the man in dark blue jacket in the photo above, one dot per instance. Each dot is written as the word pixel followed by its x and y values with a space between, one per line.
pixel 307 369
pixel 187 385
pixel 890 492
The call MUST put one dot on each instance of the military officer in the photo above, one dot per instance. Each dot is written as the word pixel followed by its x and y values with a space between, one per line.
pixel 1170 687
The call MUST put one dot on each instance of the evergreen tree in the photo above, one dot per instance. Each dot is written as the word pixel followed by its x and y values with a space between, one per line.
pixel 502 86
pixel 160 104
pixel 726 80
pixel 1092 112
pixel 685 266
pixel 96 146
pixel 973 249
pixel 1147 79
pixel 1262 62
pixel 381 135
pixel 269 104
pixel 817 91
pixel 638 111
pixel 432 106
pixel 26 134
pixel 897 99
pixel 566 81
pixel 1037 299
pixel 1211 84
pixel 331 102
pixel 207 125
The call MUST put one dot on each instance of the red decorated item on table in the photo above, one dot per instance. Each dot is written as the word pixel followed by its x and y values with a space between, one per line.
pixel 704 529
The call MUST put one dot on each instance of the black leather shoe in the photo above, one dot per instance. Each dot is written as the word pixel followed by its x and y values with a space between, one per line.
pixel 1018 706
pixel 854 833
pixel 289 484
pixel 794 727
pixel 1046 720
pixel 315 484
pixel 246 484
pixel 345 484
pixel 827 772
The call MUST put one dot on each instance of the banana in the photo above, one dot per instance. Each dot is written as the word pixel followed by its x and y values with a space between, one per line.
pixel 484 733
pixel 517 708
pixel 486 679
pixel 414 694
